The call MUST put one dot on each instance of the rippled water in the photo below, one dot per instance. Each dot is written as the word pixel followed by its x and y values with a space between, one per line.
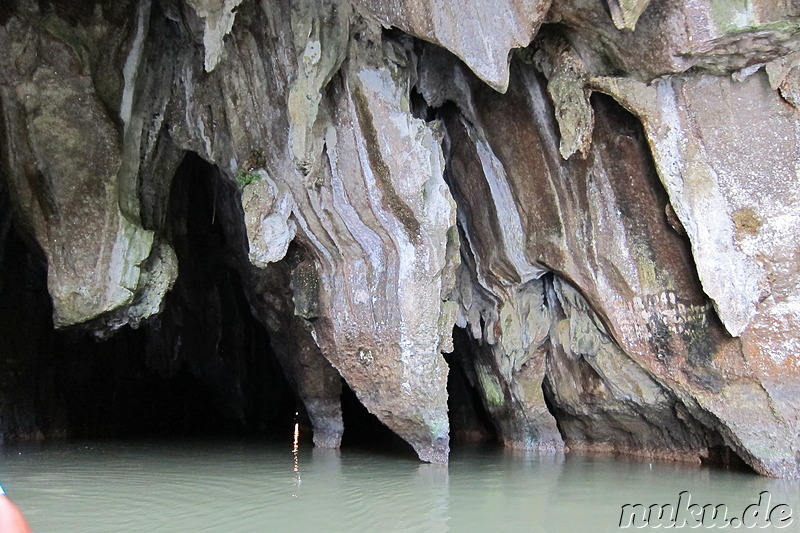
pixel 165 487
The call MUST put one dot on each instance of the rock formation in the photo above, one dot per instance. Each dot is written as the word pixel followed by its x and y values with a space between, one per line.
pixel 600 196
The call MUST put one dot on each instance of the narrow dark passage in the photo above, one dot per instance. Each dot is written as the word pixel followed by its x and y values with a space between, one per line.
pixel 29 406
pixel 469 420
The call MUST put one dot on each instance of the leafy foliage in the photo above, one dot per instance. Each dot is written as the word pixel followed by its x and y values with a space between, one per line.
pixel 245 177
pixel 248 173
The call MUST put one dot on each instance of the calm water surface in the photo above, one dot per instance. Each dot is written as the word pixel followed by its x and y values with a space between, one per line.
pixel 222 487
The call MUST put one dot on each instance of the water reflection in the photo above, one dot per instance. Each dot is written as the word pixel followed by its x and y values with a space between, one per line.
pixel 296 455
pixel 169 487
pixel 434 482
pixel 326 461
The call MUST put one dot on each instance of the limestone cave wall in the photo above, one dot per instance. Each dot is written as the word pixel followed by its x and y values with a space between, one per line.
pixel 562 224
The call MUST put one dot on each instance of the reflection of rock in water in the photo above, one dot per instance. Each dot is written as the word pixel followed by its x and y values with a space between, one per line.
pixel 434 481
pixel 248 208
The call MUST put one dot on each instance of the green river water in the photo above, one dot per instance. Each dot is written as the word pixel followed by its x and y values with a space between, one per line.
pixel 233 487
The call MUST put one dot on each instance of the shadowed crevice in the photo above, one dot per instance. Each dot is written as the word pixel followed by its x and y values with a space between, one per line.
pixel 469 420
pixel 363 430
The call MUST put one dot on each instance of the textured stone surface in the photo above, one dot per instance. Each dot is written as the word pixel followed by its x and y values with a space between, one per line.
pixel 625 13
pixel 509 361
pixel 389 264
pixel 736 195
pixel 580 232
pixel 479 33
pixel 567 87
pixel 623 282
pixel 737 209
pixel 638 287
pixel 321 33
pixel 672 37
pixel 218 17
pixel 267 206
pixel 64 159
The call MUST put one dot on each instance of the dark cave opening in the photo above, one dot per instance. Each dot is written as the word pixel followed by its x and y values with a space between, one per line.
pixel 202 367
pixel 420 108
pixel 364 431
pixel 29 407
pixel 723 457
pixel 470 422
pixel 111 390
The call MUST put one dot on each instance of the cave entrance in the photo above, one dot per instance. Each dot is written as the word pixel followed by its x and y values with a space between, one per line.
pixel 29 408
pixel 202 367
pixel 470 422
pixel 364 431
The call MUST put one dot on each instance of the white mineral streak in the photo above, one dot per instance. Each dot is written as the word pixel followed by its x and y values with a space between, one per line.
pixel 131 67
pixel 416 167
pixel 218 17
pixel 367 238
pixel 157 281
pixel 625 13
pixel 512 235
pixel 130 248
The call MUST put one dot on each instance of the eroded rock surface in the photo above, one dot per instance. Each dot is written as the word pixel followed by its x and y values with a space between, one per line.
pixel 624 265
pixel 479 33
pixel 63 166
pixel 392 247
